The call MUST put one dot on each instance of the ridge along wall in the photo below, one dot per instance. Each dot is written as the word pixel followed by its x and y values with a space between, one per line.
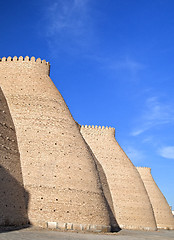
pixel 58 170
pixel 130 201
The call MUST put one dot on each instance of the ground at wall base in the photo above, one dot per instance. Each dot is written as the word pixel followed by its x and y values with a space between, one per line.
pixel 45 234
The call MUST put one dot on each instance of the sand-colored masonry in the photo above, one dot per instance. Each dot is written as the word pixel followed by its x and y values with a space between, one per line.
pixel 163 214
pixel 59 172
pixel 130 201
pixel 13 197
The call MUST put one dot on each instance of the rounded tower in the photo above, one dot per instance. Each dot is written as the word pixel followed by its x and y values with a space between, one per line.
pixel 163 214
pixel 58 170
pixel 130 201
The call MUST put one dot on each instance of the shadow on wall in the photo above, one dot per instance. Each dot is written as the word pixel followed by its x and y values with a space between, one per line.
pixel 107 194
pixel 13 200
pixel 13 197
pixel 108 198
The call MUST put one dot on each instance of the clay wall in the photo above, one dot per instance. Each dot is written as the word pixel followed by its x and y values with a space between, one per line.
pixel 58 170
pixel 162 210
pixel 13 197
pixel 130 201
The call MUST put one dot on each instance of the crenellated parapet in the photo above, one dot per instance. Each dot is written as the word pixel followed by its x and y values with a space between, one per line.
pixel 24 65
pixel 21 59
pixel 98 129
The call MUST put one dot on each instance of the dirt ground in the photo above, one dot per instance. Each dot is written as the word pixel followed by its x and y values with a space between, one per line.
pixel 42 234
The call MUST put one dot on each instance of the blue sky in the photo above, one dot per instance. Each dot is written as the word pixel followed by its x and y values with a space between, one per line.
pixel 113 62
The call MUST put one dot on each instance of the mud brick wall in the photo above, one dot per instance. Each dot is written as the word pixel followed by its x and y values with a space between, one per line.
pixel 163 214
pixel 58 171
pixel 13 197
pixel 130 201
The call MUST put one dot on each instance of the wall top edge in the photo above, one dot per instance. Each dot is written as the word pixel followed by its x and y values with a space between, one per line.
pixel 23 59
pixel 97 127
pixel 144 168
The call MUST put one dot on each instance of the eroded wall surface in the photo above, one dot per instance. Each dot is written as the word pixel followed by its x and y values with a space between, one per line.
pixel 58 170
pixel 163 214
pixel 130 201
pixel 13 197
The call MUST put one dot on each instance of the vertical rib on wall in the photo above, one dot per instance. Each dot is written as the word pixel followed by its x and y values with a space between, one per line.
pixel 58 170
pixel 163 214
pixel 13 197
pixel 131 203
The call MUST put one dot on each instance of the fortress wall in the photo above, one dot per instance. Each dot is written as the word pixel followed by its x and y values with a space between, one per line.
pixel 58 170
pixel 13 197
pixel 131 203
pixel 162 210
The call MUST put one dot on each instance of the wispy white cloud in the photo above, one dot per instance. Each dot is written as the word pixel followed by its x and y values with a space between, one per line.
pixel 70 25
pixel 67 16
pixel 67 21
pixel 127 64
pixel 154 113
pixel 167 152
